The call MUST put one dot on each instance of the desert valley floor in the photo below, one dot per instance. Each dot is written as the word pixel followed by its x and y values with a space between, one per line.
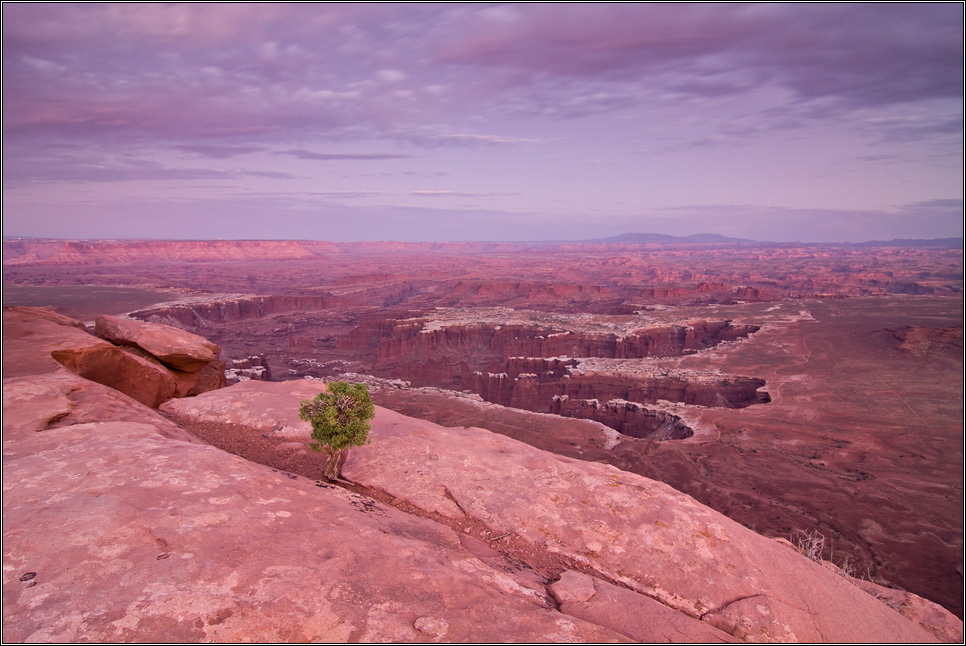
pixel 796 389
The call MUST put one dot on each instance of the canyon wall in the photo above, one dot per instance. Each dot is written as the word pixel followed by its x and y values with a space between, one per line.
pixel 405 337
pixel 535 391
pixel 206 313
pixel 530 367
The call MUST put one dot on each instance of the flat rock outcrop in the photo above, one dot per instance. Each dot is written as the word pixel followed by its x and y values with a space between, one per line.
pixel 114 532
pixel 635 615
pixel 267 407
pixel 41 402
pixel 635 534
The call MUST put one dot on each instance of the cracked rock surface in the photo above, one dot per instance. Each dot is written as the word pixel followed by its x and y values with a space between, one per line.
pixel 716 578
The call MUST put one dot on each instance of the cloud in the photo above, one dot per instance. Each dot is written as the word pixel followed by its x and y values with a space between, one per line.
pixel 251 72
pixel 69 166
pixel 936 208
pixel 441 136
pixel 860 54
pixel 392 76
pixel 513 94
pixel 218 152
pixel 314 156
pixel 460 194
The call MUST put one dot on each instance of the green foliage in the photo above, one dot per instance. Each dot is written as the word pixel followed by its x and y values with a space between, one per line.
pixel 340 419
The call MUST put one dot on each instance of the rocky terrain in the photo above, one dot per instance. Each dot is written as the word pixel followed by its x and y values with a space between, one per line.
pixel 795 389
pixel 122 524
pixel 149 363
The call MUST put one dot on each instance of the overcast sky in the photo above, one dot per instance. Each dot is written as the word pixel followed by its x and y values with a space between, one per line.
pixel 811 122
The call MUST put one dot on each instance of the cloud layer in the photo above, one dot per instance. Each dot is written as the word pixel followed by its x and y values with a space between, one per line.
pixel 608 114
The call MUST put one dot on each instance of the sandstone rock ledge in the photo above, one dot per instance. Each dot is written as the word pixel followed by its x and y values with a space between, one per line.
pixel 116 533
pixel 681 571
pixel 118 526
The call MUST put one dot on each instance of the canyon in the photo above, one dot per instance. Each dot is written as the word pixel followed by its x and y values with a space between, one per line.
pixel 203 520
pixel 794 389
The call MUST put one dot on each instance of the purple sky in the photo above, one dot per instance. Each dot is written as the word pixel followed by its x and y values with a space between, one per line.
pixel 811 122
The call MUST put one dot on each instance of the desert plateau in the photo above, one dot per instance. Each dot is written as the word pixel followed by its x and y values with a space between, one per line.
pixel 483 322
pixel 601 441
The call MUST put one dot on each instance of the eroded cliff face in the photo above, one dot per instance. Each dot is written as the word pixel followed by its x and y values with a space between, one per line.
pixel 408 335
pixel 204 313
pixel 507 360
pixel 531 367
pixel 616 400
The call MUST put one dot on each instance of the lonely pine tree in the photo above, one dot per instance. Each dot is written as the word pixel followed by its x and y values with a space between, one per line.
pixel 340 419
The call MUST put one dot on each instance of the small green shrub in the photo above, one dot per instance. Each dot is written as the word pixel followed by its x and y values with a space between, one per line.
pixel 340 420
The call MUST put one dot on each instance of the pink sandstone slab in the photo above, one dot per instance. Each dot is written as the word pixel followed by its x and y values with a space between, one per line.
pixel 629 613
pixel 138 377
pixel 270 407
pixel 635 532
pixel 38 341
pixel 30 334
pixel 116 533
pixel 36 403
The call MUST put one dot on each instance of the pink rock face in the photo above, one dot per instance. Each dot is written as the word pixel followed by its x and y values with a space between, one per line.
pixel 38 341
pixel 35 314
pixel 113 532
pixel 138 377
pixel 634 615
pixel 30 334
pixel 42 402
pixel 927 614
pixel 640 533
pixel 701 568
pixel 173 347
pixel 268 407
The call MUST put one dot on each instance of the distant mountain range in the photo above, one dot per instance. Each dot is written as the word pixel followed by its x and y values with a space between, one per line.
pixel 714 238
pixel 660 238
pixel 944 243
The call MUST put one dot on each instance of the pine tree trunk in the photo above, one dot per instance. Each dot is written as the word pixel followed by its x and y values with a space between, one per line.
pixel 332 463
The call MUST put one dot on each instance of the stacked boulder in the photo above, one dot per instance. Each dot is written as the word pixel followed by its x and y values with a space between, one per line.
pixel 148 362
pixel 187 364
